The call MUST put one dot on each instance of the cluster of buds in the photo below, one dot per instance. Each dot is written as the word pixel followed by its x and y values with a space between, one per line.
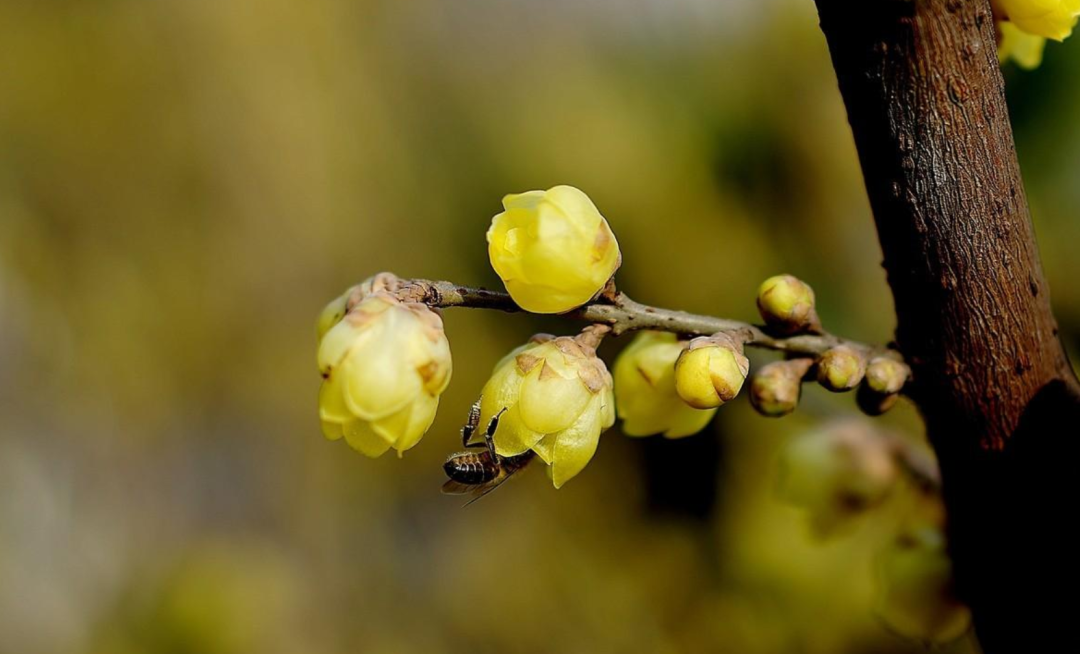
pixel 1023 26
pixel 786 304
pixel 385 359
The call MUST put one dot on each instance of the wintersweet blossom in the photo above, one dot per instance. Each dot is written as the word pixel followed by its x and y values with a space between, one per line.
pixel 552 249
pixel 384 365
pixel 557 396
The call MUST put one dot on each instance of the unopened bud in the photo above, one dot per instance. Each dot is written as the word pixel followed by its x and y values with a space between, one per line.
pixel 775 387
pixel 841 368
pixel 886 376
pixel 787 305
pixel 645 393
pixel 711 371
pixel 873 403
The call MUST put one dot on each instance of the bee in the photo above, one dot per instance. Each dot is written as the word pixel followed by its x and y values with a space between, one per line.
pixel 479 473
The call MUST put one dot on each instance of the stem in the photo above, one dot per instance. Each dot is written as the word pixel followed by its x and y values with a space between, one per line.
pixel 625 315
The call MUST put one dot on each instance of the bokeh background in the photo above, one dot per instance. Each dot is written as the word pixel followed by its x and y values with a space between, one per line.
pixel 185 183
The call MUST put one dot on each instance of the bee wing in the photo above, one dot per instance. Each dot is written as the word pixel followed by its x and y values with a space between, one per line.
pixel 452 487
pixel 492 485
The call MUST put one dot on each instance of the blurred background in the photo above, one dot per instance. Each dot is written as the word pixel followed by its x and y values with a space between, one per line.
pixel 184 185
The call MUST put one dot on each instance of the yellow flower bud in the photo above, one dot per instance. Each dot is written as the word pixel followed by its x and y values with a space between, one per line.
pixel 645 389
pixel 841 368
pixel 837 472
pixel 775 388
pixel 787 304
pixel 1053 19
pixel 333 312
pixel 711 371
pixel 552 249
pixel 558 399
pixel 916 587
pixel 1019 46
pixel 384 366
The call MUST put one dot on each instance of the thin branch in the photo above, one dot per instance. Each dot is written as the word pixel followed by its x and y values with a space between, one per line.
pixel 624 315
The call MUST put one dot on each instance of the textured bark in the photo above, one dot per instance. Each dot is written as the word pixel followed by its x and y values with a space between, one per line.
pixel 925 99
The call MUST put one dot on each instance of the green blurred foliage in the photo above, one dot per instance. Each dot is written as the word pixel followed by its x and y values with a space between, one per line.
pixel 184 184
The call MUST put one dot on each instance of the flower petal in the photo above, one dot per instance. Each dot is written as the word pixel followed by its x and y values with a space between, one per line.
pixel 574 447
pixel 513 437
pixel 332 430
pixel 550 402
pixel 332 406
pixel 405 428
pixel 378 379
pixel 365 440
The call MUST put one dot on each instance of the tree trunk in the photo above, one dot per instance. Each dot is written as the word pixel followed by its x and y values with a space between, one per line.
pixel 925 98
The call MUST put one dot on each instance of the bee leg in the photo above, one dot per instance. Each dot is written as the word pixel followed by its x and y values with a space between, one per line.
pixel 470 426
pixel 489 435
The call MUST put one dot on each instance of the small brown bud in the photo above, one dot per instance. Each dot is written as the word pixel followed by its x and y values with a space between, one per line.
pixel 775 388
pixel 886 376
pixel 841 368
pixel 873 403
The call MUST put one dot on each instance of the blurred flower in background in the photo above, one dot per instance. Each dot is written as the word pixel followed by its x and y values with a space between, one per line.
pixel 184 184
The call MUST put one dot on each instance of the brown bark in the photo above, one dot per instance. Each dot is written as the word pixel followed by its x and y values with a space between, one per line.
pixel 925 99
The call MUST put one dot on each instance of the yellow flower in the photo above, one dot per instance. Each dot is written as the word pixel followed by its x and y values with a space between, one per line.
pixel 711 371
pixel 1052 19
pixel 384 365
pixel 1023 48
pixel 645 389
pixel 552 249
pixel 558 399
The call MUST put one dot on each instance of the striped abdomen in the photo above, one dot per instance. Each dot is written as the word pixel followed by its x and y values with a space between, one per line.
pixel 471 468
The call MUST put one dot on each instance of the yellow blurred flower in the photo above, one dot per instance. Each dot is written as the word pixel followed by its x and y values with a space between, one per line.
pixel 916 587
pixel 711 371
pixel 1019 46
pixel 1052 19
pixel 384 365
pixel 645 389
pixel 552 249
pixel 836 472
pixel 558 399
